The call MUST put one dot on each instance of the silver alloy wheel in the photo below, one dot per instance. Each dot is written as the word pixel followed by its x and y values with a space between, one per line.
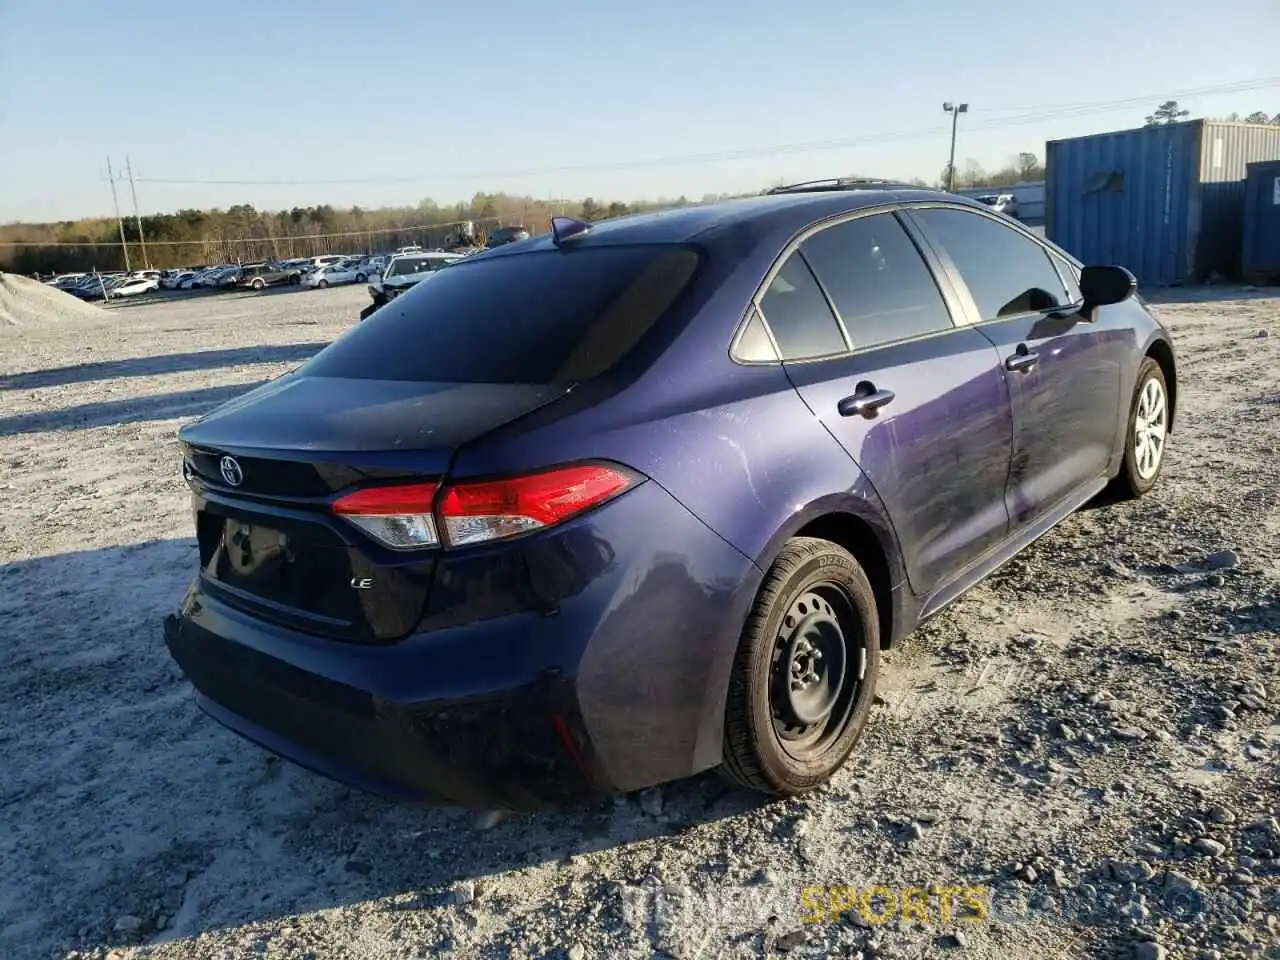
pixel 1149 428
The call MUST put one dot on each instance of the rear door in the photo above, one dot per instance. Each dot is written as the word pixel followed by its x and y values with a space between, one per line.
pixel 1063 370
pixel 867 337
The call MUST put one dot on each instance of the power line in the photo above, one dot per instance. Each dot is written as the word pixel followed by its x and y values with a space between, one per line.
pixel 1034 115
pixel 1239 86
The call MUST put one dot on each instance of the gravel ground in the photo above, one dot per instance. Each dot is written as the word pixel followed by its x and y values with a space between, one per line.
pixel 1086 747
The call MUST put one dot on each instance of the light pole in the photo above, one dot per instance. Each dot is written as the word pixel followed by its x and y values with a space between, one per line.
pixel 955 109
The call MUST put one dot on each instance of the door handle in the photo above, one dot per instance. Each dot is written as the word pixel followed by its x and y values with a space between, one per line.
pixel 1022 359
pixel 866 402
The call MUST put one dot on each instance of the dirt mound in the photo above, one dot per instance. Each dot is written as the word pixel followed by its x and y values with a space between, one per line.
pixel 28 303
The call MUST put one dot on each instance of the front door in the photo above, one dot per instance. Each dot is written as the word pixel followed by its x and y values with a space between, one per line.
pixel 1063 370
pixel 920 405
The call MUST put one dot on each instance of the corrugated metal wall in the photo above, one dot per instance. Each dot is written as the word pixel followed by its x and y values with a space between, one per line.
pixel 1167 202
pixel 1226 150
pixel 1123 198
pixel 1261 247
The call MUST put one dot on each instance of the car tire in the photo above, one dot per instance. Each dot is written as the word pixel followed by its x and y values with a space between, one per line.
pixel 322 284
pixel 777 738
pixel 257 284
pixel 1146 434
pixel 361 278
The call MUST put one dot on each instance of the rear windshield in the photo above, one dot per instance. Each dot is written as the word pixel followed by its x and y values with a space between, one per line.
pixel 545 317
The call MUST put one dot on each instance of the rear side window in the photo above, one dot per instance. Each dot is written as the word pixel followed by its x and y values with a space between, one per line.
pixel 881 286
pixel 799 315
pixel 1006 273
pixel 544 317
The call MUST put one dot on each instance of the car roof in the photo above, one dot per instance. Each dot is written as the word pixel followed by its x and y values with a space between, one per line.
pixel 783 213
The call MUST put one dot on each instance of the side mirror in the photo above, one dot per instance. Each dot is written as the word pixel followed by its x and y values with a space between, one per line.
pixel 1102 286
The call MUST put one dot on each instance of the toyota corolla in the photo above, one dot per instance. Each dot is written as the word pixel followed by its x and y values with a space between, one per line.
pixel 637 499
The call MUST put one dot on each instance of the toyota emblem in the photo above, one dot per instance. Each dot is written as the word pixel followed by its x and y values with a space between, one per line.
pixel 231 471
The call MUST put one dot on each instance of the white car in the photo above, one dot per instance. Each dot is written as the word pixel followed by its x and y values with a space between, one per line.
pixel 315 263
pixel 134 286
pixel 330 276
pixel 1005 203
pixel 405 270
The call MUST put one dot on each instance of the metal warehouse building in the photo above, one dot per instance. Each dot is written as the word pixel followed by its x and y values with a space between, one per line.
pixel 1261 247
pixel 1167 202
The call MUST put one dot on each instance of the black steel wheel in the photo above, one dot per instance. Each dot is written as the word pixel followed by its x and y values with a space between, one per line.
pixel 804 678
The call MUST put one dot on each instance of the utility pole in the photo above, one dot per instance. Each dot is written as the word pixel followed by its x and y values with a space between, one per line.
pixel 955 109
pixel 136 215
pixel 115 200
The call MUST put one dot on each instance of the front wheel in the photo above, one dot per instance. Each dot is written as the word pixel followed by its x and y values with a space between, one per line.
pixel 361 278
pixel 1146 434
pixel 805 673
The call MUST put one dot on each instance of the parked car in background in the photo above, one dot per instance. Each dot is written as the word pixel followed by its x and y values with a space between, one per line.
pixel 195 281
pixel 639 498
pixel 367 267
pixel 1005 203
pixel 315 263
pixel 258 276
pixel 100 287
pixel 133 286
pixel 175 279
pixel 405 271
pixel 333 275
pixel 505 235
pixel 224 278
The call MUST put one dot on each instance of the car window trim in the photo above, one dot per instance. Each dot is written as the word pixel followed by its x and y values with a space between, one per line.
pixel 974 317
pixel 954 304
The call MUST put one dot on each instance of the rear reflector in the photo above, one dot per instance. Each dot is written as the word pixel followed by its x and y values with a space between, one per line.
pixel 399 517
pixel 496 509
pixel 470 513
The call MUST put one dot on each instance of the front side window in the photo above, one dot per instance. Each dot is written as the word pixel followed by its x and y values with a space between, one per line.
pixel 880 285
pixel 1007 274
pixel 799 315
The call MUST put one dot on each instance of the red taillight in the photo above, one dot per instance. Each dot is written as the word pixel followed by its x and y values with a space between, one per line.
pixel 495 509
pixel 398 516
pixel 472 513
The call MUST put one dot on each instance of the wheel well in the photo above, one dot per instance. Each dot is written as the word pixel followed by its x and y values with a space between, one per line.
pixel 1162 354
pixel 859 539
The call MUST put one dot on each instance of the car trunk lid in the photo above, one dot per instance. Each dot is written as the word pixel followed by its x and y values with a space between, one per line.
pixel 265 469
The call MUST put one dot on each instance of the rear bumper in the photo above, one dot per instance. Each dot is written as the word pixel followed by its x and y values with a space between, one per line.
pixel 516 749
pixel 590 660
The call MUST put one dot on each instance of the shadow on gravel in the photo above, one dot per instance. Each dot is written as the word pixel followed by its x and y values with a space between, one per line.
pixel 142 820
pixel 160 406
pixel 1259 618
pixel 237 293
pixel 164 363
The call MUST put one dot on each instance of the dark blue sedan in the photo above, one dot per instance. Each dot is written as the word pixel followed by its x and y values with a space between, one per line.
pixel 614 505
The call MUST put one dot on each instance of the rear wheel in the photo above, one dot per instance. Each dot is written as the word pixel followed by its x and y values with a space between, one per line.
pixel 322 284
pixel 257 284
pixel 361 278
pixel 1146 434
pixel 805 674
